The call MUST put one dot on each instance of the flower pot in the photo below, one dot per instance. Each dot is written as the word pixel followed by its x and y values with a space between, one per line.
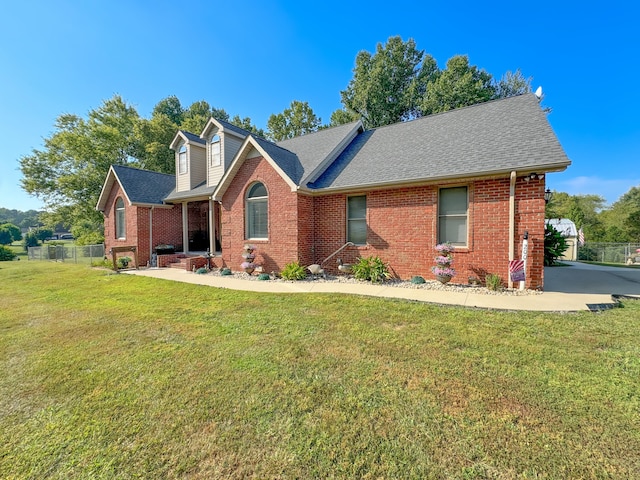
pixel 443 278
pixel 249 270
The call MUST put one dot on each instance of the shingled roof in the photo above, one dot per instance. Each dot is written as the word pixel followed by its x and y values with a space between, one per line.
pixel 490 138
pixel 141 187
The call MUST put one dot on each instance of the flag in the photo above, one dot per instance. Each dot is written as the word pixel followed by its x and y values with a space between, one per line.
pixel 580 237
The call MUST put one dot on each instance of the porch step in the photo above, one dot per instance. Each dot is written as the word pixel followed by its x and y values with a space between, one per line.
pixel 181 264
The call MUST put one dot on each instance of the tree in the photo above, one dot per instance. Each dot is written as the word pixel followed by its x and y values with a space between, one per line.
pixel 459 85
pixel 171 108
pixel 512 84
pixel 5 236
pixel 387 86
pixel 624 214
pixel 554 245
pixel 198 114
pixel 9 233
pixel 584 210
pixel 294 121
pixel 246 124
pixel 69 172
pixel 342 116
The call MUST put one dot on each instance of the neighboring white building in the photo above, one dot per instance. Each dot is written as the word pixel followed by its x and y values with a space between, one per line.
pixel 569 231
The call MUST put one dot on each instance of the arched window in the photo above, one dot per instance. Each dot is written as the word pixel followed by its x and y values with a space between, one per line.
pixel 121 223
pixel 182 159
pixel 214 150
pixel 257 212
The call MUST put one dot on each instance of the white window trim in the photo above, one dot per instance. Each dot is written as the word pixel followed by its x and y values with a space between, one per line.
pixel 465 215
pixel 212 161
pixel 120 223
pixel 248 201
pixel 186 159
pixel 357 219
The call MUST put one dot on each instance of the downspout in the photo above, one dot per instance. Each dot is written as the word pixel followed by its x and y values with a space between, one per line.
pixel 150 234
pixel 512 220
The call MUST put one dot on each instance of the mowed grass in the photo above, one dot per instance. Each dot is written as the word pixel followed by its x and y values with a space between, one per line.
pixel 114 376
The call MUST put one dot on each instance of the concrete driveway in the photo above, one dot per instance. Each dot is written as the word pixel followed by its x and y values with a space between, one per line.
pixel 585 278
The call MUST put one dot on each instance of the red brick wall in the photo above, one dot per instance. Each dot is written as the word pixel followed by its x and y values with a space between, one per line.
pixel 284 211
pixel 167 226
pixel 402 229
pixel 401 223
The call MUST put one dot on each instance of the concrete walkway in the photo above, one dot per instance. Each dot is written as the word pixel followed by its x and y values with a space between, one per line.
pixel 544 302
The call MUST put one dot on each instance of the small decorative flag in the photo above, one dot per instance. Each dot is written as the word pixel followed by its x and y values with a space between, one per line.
pixel 516 270
pixel 580 237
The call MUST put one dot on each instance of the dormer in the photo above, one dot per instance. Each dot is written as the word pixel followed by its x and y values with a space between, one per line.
pixel 191 162
pixel 223 140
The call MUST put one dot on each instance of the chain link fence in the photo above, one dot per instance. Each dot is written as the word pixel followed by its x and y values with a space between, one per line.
pixel 67 253
pixel 623 253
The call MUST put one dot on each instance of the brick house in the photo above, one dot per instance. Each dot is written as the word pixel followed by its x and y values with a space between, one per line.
pixel 474 176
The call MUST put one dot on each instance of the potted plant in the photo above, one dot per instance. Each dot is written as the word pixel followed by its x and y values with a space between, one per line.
pixel 442 269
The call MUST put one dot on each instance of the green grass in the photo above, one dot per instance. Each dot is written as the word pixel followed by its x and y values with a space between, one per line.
pixel 115 376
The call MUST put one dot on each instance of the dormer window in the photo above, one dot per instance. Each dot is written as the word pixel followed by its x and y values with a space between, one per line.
pixel 214 151
pixel 182 159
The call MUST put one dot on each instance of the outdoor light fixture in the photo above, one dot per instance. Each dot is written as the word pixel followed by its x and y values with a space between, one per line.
pixel 547 195
pixel 533 176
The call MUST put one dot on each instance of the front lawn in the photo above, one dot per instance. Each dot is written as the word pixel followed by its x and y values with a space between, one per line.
pixel 116 376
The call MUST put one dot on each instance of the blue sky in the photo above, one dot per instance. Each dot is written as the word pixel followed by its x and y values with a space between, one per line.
pixel 254 58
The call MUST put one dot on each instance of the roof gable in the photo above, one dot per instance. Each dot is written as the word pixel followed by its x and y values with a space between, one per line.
pixel 140 187
pixel 188 138
pixel 223 127
pixel 283 161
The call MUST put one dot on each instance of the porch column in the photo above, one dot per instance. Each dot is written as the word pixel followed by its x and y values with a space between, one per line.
pixel 212 228
pixel 185 227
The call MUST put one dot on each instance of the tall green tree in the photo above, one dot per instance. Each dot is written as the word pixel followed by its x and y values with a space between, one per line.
pixel 459 85
pixel 387 87
pixel 68 173
pixel 294 121
pixel 624 217
pixel 247 125
pixel 512 83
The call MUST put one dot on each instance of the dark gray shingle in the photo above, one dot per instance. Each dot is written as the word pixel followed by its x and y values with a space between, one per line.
pixel 144 186
pixel 498 136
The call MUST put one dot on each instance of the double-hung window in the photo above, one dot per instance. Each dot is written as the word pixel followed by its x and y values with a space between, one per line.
pixel 453 207
pixel 357 219
pixel 257 212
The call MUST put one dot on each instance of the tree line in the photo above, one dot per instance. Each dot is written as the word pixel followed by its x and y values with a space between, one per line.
pixel 397 82
pixel 619 222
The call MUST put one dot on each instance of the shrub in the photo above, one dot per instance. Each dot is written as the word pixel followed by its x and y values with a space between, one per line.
pixel 554 245
pixel 293 271
pixel 30 239
pixel 371 268
pixel 493 282
pixel 6 254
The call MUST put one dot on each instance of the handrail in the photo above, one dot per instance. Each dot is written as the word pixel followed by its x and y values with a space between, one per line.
pixel 337 251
